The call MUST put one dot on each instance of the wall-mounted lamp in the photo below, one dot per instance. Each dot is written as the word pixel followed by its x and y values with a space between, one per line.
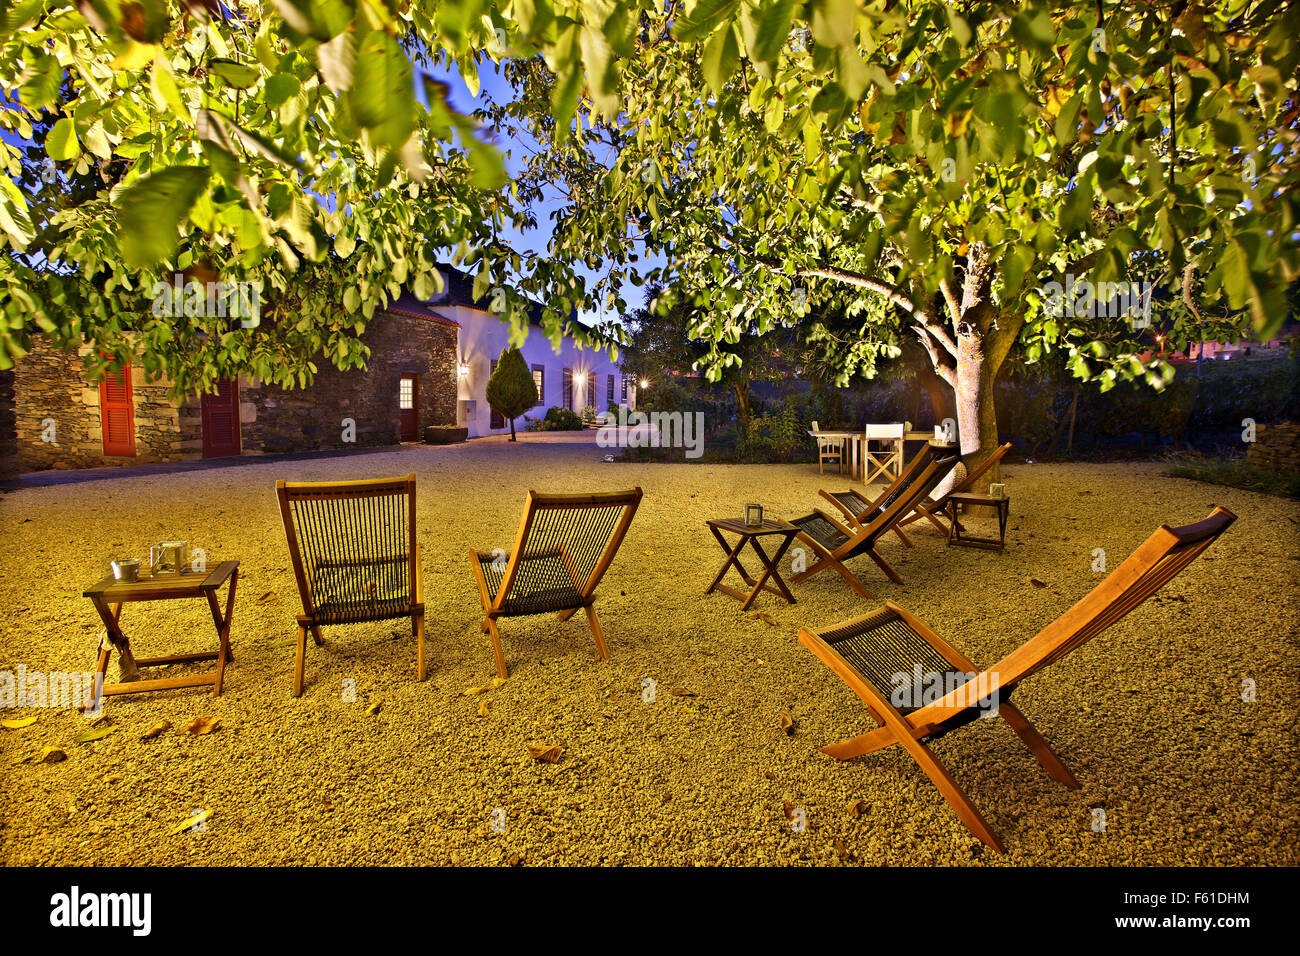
pixel 462 370
pixel 644 383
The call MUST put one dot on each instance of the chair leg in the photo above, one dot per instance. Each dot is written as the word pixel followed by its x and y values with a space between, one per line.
pixel 318 637
pixel 953 793
pixel 884 566
pixel 490 626
pixel 825 563
pixel 419 646
pixel 565 615
pixel 907 542
pixel 299 661
pixel 597 633
pixel 1035 742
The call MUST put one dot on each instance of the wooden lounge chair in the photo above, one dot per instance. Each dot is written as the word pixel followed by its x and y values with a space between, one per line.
pixel 859 510
pixel 354 554
pixel 834 543
pixel 880 655
pixel 564 547
pixel 932 508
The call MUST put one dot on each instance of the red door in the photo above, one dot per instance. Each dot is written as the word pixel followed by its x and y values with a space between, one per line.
pixel 221 421
pixel 117 413
pixel 408 394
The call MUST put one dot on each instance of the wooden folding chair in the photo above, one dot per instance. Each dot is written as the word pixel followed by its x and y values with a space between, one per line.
pixel 885 656
pixel 354 554
pixel 932 508
pixel 834 543
pixel 828 449
pixel 564 547
pixel 887 460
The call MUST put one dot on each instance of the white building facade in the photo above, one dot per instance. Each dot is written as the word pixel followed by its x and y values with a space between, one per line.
pixel 574 377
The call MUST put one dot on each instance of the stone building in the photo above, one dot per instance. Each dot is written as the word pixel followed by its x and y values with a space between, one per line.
pixel 61 420
pixel 429 365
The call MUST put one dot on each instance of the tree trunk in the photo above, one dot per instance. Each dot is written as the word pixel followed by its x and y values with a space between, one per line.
pixel 984 339
pixel 512 430
pixel 741 391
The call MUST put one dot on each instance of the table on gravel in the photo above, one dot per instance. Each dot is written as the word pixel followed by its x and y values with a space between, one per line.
pixel 750 535
pixel 109 594
pixel 1003 506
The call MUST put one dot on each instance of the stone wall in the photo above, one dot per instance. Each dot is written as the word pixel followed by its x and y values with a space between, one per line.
pixel 57 415
pixel 8 427
pixel 1276 447
pixel 278 420
pixel 57 423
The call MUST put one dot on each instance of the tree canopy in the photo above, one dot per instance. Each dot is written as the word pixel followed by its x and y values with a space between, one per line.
pixel 929 166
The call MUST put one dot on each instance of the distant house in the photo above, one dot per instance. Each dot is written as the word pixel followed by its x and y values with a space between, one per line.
pixel 429 364
pixel 572 378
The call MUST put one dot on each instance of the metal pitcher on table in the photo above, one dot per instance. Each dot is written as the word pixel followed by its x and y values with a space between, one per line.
pixel 169 557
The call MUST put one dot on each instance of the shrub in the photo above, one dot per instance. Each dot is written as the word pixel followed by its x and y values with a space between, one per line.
pixel 511 390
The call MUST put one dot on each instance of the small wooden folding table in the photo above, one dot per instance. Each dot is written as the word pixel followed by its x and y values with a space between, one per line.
pixel 751 534
pixel 109 594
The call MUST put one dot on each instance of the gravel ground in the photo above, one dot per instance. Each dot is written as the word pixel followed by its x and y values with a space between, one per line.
pixel 1150 716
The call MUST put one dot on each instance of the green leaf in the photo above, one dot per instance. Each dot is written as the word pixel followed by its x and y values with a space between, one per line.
pixel 280 88
pixel 241 76
pixel 383 91
pixel 852 75
pixel 15 219
pixel 835 22
pixel 151 210
pixel 61 143
pixel 721 57
pixel 42 89
pixel 703 18
pixel 773 30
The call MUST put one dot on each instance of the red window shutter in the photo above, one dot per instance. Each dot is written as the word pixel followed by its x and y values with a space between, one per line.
pixel 117 413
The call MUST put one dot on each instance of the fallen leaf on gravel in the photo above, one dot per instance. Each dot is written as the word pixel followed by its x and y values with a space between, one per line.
pixel 200 817
pixel 545 754
pixel 99 733
pixel 18 723
pixel 788 807
pixel 1037 583
pixel 157 729
pixel 113 777
pixel 854 808
pixel 498 681
pixel 470 692
pixel 841 850
pixel 203 726
pixel 514 859
pixel 762 616
pixel 787 723
pixel 483 708
pixel 374 708
pixel 52 755
pixel 267 598
pixel 681 692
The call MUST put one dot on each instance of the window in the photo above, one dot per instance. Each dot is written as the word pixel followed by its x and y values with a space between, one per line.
pixel 406 393
pixel 539 379
pixel 609 391
pixel 591 389
pixel 624 398
pixel 568 388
